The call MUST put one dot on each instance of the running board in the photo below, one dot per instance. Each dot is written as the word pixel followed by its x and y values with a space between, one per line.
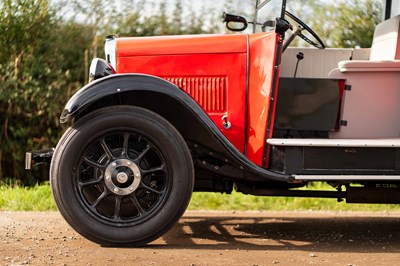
pixel 347 177
pixel 353 143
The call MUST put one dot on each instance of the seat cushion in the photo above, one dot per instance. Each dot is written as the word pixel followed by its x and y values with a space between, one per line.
pixel 386 41
pixel 369 66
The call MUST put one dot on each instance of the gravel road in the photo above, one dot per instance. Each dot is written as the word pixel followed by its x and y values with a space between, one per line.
pixel 214 238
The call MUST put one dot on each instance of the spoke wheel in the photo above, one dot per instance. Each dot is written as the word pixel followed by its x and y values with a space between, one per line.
pixel 122 176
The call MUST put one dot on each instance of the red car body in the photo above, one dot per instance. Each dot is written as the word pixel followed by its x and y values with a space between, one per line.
pixel 215 75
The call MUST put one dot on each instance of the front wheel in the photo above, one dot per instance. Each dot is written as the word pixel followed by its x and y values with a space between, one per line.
pixel 122 176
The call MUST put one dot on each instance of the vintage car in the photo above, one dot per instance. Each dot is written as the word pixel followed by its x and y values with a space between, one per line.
pixel 166 116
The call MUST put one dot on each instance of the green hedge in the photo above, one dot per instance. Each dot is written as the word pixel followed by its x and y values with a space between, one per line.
pixel 44 59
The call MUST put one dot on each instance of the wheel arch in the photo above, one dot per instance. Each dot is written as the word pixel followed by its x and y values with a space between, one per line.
pixel 149 92
pixel 170 102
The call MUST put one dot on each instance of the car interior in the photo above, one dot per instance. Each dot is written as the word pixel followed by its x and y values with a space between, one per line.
pixel 370 104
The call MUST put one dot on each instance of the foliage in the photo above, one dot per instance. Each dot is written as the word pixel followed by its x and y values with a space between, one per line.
pixel 44 59
pixel 35 79
pixel 128 19
pixel 342 23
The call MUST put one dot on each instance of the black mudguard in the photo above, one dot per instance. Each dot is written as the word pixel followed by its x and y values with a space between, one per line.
pixel 172 103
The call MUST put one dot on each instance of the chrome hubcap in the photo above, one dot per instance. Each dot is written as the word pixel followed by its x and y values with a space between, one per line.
pixel 122 177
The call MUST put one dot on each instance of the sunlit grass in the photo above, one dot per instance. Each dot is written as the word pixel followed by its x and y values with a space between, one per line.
pixel 242 202
pixel 239 201
pixel 15 197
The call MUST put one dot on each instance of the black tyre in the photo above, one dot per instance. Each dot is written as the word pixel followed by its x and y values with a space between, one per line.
pixel 122 176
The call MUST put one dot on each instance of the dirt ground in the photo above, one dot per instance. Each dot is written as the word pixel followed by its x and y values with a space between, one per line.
pixel 214 238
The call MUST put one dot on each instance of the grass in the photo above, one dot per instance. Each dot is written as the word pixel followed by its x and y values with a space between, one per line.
pixel 242 202
pixel 239 201
pixel 14 197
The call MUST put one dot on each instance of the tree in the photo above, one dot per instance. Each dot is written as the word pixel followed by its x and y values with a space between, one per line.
pixel 357 22
pixel 160 20
pixel 340 23
pixel 42 63
pixel 38 71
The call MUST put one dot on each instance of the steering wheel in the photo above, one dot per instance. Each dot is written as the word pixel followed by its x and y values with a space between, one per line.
pixel 318 43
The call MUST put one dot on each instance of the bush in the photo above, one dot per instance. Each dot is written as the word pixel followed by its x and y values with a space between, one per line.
pixel 44 59
pixel 39 70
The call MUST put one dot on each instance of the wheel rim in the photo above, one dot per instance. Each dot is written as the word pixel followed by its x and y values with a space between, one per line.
pixel 121 178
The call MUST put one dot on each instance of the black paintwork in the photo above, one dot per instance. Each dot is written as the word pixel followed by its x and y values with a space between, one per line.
pixel 388 9
pixel 336 160
pixel 272 100
pixel 173 104
pixel 379 195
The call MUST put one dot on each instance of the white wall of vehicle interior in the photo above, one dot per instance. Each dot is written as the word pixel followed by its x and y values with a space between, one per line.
pixel 372 106
pixel 317 63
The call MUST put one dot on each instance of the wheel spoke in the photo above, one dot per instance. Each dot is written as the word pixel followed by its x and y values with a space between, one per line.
pixel 93 164
pixel 143 153
pixel 106 149
pixel 100 199
pixel 137 205
pixel 153 170
pixel 150 189
pixel 90 182
pixel 117 207
pixel 125 146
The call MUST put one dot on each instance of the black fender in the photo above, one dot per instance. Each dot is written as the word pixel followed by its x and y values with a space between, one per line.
pixel 169 101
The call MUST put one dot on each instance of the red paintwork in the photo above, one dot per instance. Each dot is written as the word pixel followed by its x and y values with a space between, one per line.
pixel 181 44
pixel 209 92
pixel 203 59
pixel 212 69
pixel 262 58
pixel 341 85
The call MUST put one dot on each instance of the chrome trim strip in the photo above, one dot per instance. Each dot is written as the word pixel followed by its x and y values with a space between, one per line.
pixel 346 177
pixel 110 49
pixel 374 143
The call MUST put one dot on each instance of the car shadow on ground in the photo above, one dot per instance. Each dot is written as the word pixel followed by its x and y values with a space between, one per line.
pixel 335 234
